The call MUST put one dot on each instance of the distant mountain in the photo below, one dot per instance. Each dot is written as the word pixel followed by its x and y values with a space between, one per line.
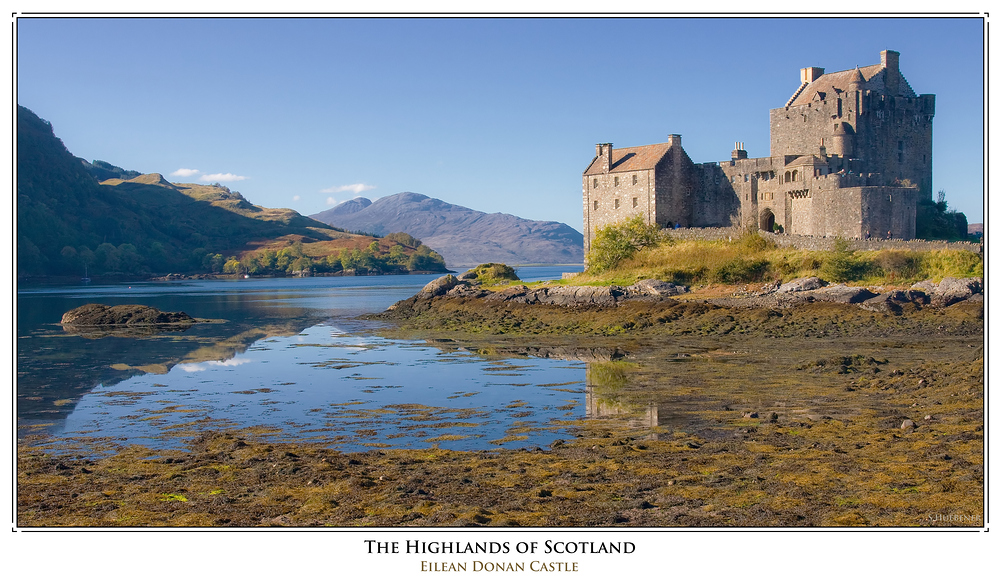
pixel 463 236
pixel 69 224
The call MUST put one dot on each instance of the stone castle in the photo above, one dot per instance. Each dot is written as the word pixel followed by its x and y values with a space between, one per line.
pixel 850 157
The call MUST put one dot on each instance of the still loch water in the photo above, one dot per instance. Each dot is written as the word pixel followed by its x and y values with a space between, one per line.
pixel 286 358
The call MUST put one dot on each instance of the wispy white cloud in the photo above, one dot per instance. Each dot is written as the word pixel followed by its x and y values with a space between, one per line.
pixel 356 188
pixel 296 198
pixel 185 173
pixel 222 177
pixel 331 201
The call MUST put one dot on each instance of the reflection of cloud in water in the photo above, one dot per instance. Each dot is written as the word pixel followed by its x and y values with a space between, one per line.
pixel 205 365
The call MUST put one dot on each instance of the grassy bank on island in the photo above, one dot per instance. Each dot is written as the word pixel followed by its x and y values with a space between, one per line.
pixel 748 257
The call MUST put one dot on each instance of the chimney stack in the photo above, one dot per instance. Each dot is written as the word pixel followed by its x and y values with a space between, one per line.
pixel 739 152
pixel 673 140
pixel 810 74
pixel 890 62
pixel 604 154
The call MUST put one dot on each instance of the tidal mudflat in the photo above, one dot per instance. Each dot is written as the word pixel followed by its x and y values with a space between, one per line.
pixel 825 415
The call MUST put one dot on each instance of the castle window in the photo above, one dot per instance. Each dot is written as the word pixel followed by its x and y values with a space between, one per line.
pixel 795 175
pixel 595 182
pixel 746 177
pixel 788 176
pixel 732 179
pixel 635 201
pixel 616 202
pixel 635 179
pixel 616 181
pixel 900 157
pixel 595 204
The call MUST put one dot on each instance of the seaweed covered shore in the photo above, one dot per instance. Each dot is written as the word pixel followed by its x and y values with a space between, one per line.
pixel 817 414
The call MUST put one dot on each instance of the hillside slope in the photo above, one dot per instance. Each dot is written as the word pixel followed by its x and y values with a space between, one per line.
pixel 462 235
pixel 69 224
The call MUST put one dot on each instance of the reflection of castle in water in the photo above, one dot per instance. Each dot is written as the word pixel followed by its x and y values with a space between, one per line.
pixel 606 397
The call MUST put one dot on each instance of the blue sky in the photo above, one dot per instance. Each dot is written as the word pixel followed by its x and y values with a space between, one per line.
pixel 500 115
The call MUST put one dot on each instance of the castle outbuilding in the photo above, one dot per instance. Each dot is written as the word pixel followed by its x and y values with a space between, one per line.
pixel 850 156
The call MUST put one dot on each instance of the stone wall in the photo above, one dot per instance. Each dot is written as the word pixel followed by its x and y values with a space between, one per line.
pixel 716 203
pixel 824 243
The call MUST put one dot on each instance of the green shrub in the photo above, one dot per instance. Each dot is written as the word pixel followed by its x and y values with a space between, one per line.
pixel 494 273
pixel 752 241
pixel 617 242
pixel 898 264
pixel 843 265
pixel 740 270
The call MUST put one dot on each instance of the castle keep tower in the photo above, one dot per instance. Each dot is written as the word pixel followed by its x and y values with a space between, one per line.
pixel 868 116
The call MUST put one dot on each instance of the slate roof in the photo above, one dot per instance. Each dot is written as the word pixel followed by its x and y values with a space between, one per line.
pixel 631 158
pixel 828 84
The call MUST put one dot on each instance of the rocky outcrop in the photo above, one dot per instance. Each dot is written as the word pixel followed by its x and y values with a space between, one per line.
pixel 780 296
pixel 841 294
pixel 600 296
pixel 801 284
pixel 567 296
pixel 893 301
pixel 950 290
pixel 95 320
pixel 439 286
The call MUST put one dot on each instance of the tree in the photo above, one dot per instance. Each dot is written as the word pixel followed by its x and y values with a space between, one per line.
pixel 402 238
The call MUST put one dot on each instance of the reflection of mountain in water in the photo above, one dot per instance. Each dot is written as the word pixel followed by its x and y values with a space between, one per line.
pixel 74 365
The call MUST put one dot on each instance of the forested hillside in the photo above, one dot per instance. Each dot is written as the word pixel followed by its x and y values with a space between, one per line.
pixel 68 224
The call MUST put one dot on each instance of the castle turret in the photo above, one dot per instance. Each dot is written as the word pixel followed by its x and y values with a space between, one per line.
pixel 857 81
pixel 842 141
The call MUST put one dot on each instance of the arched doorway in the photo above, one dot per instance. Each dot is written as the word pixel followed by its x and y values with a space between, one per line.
pixel 767 220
